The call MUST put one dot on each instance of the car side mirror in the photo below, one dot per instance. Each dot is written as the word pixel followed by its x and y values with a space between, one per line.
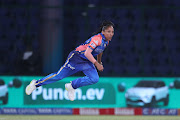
pixel 177 84
pixel 121 87
pixel 171 85
pixel 15 83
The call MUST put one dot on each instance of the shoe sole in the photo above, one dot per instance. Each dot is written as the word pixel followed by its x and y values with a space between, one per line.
pixel 67 90
pixel 27 89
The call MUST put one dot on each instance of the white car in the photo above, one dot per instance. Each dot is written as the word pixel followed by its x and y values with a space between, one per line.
pixel 3 92
pixel 147 93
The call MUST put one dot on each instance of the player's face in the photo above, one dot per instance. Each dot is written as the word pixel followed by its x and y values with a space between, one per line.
pixel 108 33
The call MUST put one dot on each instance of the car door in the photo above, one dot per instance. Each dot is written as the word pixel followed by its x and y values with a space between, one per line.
pixel 164 90
pixel 160 91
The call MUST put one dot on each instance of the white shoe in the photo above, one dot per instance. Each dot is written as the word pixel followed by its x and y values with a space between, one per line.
pixel 71 91
pixel 31 87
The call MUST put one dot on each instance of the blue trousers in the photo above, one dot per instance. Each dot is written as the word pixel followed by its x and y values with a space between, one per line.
pixel 73 64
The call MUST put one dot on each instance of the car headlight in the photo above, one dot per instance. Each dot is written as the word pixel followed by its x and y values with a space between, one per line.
pixel 147 98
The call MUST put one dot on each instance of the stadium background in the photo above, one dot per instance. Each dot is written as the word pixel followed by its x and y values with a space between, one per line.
pixel 36 37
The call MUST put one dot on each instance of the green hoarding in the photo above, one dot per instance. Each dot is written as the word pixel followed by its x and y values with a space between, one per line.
pixel 56 94
pixel 104 94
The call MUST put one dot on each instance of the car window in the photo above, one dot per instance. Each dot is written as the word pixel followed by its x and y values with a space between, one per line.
pixel 161 84
pixel 146 84
pixel 154 84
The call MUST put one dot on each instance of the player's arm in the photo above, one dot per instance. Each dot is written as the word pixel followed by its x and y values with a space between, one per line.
pixel 90 57
pixel 99 58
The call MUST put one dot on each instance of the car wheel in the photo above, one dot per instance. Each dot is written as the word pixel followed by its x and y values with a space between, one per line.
pixel 128 105
pixel 153 102
pixel 166 100
pixel 5 99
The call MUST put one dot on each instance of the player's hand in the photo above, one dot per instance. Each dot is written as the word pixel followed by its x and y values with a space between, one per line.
pixel 99 66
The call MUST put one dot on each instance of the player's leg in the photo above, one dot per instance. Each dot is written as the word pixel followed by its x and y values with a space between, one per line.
pixel 65 71
pixel 62 73
pixel 91 77
pixel 53 77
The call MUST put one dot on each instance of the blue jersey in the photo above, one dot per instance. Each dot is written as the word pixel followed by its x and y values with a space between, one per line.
pixel 97 43
pixel 76 62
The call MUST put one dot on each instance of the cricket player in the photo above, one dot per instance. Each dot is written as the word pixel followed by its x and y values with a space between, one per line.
pixel 80 59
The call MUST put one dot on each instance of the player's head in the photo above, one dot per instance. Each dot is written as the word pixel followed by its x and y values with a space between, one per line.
pixel 107 29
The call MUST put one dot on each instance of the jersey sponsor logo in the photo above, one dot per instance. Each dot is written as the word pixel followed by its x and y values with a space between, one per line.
pixel 96 41
pixel 99 50
pixel 71 67
pixel 93 45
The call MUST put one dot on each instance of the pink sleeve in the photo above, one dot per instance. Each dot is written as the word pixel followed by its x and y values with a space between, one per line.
pixel 95 41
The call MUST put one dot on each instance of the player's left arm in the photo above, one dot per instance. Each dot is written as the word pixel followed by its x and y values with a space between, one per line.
pixel 99 56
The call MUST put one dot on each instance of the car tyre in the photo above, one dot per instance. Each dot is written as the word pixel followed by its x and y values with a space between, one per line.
pixel 153 102
pixel 5 99
pixel 166 100
pixel 129 105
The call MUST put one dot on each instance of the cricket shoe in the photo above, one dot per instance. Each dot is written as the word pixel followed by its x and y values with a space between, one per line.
pixel 31 87
pixel 71 91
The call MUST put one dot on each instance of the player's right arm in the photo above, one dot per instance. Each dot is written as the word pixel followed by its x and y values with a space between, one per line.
pixel 90 57
pixel 95 41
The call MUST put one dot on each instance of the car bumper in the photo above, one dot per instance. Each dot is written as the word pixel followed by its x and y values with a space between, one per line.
pixel 135 103
pixel 2 97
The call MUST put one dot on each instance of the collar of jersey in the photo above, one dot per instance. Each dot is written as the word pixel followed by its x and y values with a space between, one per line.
pixel 103 37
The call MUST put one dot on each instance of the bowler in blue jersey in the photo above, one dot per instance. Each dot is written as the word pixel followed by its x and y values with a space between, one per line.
pixel 82 59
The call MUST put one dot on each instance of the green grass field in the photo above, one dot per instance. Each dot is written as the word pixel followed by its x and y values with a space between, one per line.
pixel 73 117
